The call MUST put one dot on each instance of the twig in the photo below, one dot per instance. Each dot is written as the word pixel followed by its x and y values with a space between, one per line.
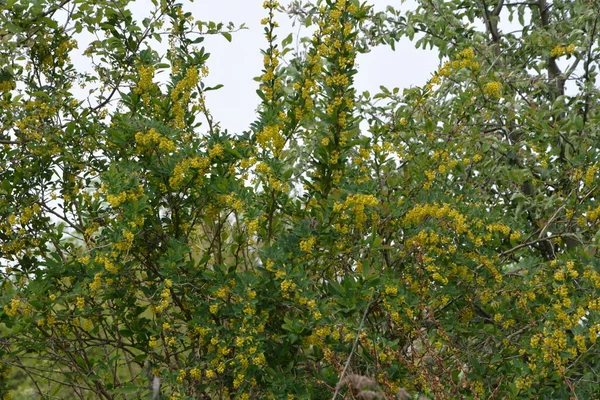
pixel 504 253
pixel 550 221
pixel 516 333
pixel 362 322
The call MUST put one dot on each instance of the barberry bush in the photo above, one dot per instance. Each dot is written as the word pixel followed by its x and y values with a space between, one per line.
pixel 439 240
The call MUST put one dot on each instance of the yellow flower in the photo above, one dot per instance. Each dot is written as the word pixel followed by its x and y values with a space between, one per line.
pixel 195 374
pixel 259 360
pixel 558 51
pixel 181 375
pixel 559 276
pixel 13 309
pixel 391 290
pixel 216 151
pixel 306 245
pixel 287 285
pixel 493 89
pixel 80 303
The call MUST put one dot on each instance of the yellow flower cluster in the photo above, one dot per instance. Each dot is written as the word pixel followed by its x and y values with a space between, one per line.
pixel 195 374
pixel 559 50
pixel 181 376
pixel 153 342
pixel 593 333
pixel 12 309
pixel 181 95
pixel 216 151
pixel 117 200
pixel 337 80
pixel 493 89
pixel 222 292
pixel 287 286
pixel 306 245
pixel 87 325
pixel 151 139
pixel 165 297
pixel 271 84
pixel 108 264
pixel 252 226
pixel 430 176
pixel 524 383
pixel 126 240
pixel 391 290
pixel 270 138
pixel 6 86
pixel 497 227
pixel 200 164
pixel 356 203
pixel 80 303
pixel 32 124
pixel 591 275
pixel 464 59
pixel 145 83
pixel 439 211
pixel 593 215
pixel 61 52
pixel 96 283
pixel 335 41
pixel 590 175
pixel 270 4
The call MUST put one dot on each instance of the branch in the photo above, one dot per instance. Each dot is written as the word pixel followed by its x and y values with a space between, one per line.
pixel 550 221
pixel 498 8
pixel 362 322
pixel 532 242
pixel 491 20
pixel 521 3
pixel 523 329
pixel 587 72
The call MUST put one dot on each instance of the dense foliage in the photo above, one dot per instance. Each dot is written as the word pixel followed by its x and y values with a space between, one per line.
pixel 442 239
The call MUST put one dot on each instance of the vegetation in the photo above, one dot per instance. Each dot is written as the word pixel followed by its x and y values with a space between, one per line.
pixel 438 241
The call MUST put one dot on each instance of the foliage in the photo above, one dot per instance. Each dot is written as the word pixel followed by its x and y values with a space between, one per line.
pixel 441 240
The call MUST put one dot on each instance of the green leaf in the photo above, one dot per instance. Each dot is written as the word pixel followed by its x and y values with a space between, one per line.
pixel 287 41
pixel 13 28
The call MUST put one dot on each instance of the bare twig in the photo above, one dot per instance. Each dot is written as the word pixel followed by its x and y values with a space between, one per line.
pixel 362 322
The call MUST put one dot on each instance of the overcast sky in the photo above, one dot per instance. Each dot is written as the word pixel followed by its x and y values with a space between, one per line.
pixel 235 64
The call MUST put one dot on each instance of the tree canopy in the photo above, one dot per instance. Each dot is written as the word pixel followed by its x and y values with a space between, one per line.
pixel 439 240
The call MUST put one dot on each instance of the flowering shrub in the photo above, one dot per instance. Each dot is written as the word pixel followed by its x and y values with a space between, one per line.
pixel 440 241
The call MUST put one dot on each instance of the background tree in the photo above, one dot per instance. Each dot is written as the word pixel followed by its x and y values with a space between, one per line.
pixel 442 240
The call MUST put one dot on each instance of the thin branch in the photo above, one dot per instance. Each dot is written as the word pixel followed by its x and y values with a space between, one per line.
pixel 532 242
pixel 523 329
pixel 362 322
pixel 588 61
pixel 521 3
pixel 498 8
pixel 550 221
